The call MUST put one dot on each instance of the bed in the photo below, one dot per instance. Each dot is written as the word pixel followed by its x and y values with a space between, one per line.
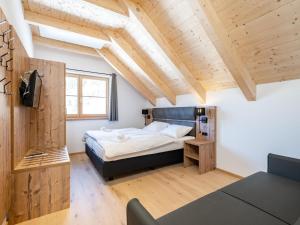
pixel 165 154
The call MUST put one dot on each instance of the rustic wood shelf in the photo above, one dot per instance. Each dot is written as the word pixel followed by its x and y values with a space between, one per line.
pixel 196 157
pixel 53 157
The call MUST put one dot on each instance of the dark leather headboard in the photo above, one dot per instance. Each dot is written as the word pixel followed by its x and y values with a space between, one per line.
pixel 185 116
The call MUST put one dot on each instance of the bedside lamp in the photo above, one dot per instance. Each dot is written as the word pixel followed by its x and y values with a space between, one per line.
pixel 201 111
pixel 145 113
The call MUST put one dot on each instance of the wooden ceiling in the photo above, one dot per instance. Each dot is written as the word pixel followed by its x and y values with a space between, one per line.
pixel 172 47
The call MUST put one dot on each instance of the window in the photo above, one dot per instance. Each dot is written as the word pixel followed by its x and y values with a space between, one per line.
pixel 86 97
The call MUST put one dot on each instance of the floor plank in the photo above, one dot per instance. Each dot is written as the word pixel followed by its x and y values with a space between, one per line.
pixel 96 202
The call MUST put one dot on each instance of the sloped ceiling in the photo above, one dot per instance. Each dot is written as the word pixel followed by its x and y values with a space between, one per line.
pixel 265 34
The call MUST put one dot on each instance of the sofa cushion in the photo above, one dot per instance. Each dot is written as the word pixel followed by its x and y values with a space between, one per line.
pixel 298 222
pixel 284 166
pixel 273 194
pixel 218 208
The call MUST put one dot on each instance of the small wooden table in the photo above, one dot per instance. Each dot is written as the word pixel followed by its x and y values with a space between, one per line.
pixel 201 152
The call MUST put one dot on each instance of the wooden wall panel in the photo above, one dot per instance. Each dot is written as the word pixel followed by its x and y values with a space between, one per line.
pixel 20 114
pixel 5 139
pixel 47 123
pixel 5 151
pixel 23 127
pixel 41 191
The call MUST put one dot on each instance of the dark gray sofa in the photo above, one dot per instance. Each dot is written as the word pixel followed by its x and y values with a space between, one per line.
pixel 271 198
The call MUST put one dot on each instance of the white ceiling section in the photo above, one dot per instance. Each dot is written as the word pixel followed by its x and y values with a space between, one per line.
pixel 123 56
pixel 71 9
pixel 153 50
pixel 67 36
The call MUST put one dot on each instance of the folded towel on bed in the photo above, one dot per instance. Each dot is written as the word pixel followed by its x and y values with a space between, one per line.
pixel 119 138
pixel 105 129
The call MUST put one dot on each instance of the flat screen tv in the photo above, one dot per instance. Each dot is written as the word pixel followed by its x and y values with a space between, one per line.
pixel 30 89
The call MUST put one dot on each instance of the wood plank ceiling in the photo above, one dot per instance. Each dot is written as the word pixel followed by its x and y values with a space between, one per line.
pixel 172 47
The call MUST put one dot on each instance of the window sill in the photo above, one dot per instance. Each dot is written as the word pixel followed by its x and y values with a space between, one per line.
pixel 86 118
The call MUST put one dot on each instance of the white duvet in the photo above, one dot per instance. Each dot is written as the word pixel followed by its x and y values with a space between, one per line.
pixel 129 140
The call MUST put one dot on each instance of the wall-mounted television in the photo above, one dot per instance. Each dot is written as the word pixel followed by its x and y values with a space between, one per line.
pixel 30 89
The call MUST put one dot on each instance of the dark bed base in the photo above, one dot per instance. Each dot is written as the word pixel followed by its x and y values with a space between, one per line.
pixel 112 169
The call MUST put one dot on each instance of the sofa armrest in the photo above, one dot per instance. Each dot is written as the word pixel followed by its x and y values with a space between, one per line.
pixel 284 166
pixel 138 215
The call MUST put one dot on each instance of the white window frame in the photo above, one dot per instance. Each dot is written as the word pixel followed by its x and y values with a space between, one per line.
pixel 80 115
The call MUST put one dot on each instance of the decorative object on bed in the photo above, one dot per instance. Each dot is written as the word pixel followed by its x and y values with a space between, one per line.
pixel 113 112
pixel 170 153
pixel 271 198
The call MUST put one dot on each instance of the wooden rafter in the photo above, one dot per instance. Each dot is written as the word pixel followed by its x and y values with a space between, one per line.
pixel 124 71
pixel 35 30
pixel 65 45
pixel 145 64
pixel 165 45
pixel 220 38
pixel 39 19
pixel 112 5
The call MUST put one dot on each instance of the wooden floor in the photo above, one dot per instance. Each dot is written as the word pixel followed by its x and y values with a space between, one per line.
pixel 95 202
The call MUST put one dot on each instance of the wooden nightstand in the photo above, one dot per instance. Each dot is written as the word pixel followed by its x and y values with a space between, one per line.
pixel 201 152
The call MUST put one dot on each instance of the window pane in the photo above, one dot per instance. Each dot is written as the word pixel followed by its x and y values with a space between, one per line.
pixel 72 86
pixel 72 105
pixel 92 105
pixel 96 88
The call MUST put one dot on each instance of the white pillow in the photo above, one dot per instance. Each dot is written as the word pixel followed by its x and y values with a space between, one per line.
pixel 156 126
pixel 176 131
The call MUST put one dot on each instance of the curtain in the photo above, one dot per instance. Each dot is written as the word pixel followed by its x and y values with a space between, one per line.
pixel 113 114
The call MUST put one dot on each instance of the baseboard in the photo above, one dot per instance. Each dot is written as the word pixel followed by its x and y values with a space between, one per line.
pixel 76 153
pixel 231 174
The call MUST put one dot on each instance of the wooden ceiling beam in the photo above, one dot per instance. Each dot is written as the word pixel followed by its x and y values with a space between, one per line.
pixel 215 30
pixel 43 20
pixel 165 45
pixel 112 5
pixel 145 64
pixel 124 71
pixel 65 45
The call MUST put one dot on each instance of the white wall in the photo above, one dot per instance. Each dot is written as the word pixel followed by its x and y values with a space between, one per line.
pixel 130 101
pixel 248 131
pixel 13 11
